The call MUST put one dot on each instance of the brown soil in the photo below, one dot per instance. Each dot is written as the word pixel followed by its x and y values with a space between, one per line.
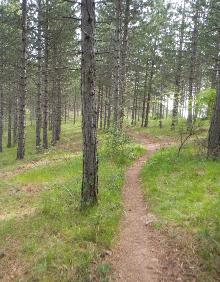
pixel 142 253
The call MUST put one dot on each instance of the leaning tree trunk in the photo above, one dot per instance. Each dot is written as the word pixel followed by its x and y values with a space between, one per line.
pixel 22 88
pixel 89 114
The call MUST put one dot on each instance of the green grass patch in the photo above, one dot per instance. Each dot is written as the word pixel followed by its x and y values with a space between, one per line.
pixel 58 241
pixel 185 192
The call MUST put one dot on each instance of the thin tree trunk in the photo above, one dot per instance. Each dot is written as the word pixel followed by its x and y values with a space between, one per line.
pixel 15 118
pixel 123 60
pixel 192 67
pixel 144 98
pixel 89 121
pixel 101 107
pixel 39 82
pixel 214 130
pixel 1 117
pixel 22 88
pixel 178 73
pixel 9 143
pixel 117 65
pixel 149 94
pixel 45 96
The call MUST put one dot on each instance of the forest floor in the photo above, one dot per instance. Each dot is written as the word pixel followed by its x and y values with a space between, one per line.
pixel 174 201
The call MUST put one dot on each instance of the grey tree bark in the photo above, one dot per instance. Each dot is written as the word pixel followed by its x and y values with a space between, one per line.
pixel 39 81
pixel 214 130
pixel 193 56
pixel 45 94
pixel 89 194
pixel 117 65
pixel 22 85
pixel 1 117
pixel 178 73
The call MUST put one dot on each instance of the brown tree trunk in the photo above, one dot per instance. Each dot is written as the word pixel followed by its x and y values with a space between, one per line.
pixel 1 117
pixel 9 143
pixel 123 60
pixel 39 77
pixel 178 73
pixel 192 66
pixel 89 114
pixel 22 88
pixel 45 95
pixel 149 92
pixel 117 65
pixel 15 118
pixel 144 98
pixel 214 130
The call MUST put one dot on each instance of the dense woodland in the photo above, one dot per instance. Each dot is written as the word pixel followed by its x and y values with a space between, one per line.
pixel 112 65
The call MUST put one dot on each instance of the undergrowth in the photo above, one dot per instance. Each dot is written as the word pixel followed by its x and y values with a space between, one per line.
pixel 58 241
pixel 185 192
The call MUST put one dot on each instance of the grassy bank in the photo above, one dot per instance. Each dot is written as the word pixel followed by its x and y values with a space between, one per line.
pixel 43 234
pixel 185 194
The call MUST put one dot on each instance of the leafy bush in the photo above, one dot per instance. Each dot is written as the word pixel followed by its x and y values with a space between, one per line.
pixel 118 146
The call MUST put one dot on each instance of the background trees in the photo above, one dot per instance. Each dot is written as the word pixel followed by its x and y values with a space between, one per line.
pixel 152 58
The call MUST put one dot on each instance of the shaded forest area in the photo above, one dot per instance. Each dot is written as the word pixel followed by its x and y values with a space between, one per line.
pixel 81 83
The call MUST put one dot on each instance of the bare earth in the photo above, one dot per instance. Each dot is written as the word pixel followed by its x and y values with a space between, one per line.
pixel 140 255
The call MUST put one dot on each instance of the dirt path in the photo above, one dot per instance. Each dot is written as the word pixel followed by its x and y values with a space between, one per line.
pixel 137 256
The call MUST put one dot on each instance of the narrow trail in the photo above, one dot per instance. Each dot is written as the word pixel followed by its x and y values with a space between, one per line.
pixel 137 255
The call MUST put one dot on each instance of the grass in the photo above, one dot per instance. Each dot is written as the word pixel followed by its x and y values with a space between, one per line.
pixel 46 236
pixel 166 132
pixel 185 194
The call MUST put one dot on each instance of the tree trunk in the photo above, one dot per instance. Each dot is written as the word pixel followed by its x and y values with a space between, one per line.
pixel 1 117
pixel 192 66
pixel 214 130
pixel 144 98
pixel 39 77
pixel 149 95
pixel 22 88
pixel 178 73
pixel 15 119
pixel 117 65
pixel 89 114
pixel 123 60
pixel 45 96
pixel 9 143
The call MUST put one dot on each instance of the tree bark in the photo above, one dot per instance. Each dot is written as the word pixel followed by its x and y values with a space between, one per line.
pixel 214 130
pixel 22 85
pixel 89 194
pixel 39 77
pixel 123 60
pixel 192 66
pixel 178 73
pixel 45 94
pixel 117 65
pixel 9 143
pixel 1 117
pixel 149 94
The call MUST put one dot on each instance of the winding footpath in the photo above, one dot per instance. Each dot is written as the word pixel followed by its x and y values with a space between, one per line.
pixel 138 256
